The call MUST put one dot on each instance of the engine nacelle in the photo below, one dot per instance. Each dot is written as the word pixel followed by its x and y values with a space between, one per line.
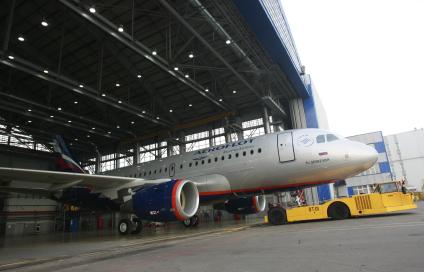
pixel 169 201
pixel 246 205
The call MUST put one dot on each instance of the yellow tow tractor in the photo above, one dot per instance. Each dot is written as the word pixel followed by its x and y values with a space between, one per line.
pixel 387 197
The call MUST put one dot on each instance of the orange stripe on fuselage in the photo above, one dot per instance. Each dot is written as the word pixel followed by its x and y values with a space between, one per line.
pixel 266 188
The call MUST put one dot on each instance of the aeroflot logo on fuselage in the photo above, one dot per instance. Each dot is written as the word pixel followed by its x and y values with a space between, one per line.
pixel 221 147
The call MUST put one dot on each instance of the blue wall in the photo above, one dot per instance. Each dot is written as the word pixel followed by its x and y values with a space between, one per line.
pixel 324 192
pixel 310 111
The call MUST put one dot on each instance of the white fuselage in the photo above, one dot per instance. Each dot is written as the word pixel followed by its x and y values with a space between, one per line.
pixel 271 162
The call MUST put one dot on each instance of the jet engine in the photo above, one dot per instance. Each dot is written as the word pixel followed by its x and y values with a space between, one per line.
pixel 246 205
pixel 169 201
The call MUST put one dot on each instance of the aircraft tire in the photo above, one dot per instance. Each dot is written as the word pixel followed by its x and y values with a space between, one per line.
pixel 277 216
pixel 138 226
pixel 338 211
pixel 124 226
pixel 191 222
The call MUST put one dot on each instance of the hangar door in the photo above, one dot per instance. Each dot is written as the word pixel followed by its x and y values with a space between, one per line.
pixel 285 147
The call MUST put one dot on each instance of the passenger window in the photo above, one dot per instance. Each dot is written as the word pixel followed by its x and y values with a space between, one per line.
pixel 216 159
pixel 222 158
pixel 196 163
pixel 209 160
pixel 190 164
pixel 160 170
pixel 203 162
pixel 320 139
pixel 259 150
pixel 181 166
pixel 155 171
pixel 251 152
pixel 237 154
pixel 331 137
pixel 229 156
pixel 244 153
pixel 150 172
pixel 166 169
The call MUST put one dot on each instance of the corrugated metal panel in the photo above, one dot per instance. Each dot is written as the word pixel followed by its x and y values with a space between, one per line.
pixel 363 202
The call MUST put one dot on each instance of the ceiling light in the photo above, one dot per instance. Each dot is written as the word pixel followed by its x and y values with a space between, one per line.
pixel 139 76
pixel 11 57
pixel 154 52
pixel 234 91
pixel 121 28
pixel 29 110
pixel 46 71
pixel 187 76
pixel 119 101
pixel 75 102
pixel 21 39
pixel 191 55
pixel 88 136
pixel 44 23
pixel 143 111
pixel 92 10
pixel 132 122
pixel 69 121
pixel 51 116
pixel 206 90
pixel 227 41
pixel 70 143
pixel 17 126
pixel 220 100
pixel 190 105
pixel 117 126
pixel 93 128
pixel 175 68
pixel 29 121
pixel 81 86
pixel 157 118
pixel 76 139
pixel 108 132
pixel 171 110
pixel 59 109
pixel 117 84
pixel 103 94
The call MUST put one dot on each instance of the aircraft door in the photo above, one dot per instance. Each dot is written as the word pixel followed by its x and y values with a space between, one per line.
pixel 172 170
pixel 285 147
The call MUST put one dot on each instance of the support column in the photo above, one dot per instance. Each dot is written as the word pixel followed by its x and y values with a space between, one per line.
pixel 136 159
pixel 117 160
pixel 211 143
pixel 227 135
pixel 169 150
pixel 297 113
pixel 98 161
pixel 265 119
pixel 182 144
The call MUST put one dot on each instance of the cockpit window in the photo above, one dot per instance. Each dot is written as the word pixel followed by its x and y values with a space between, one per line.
pixel 331 137
pixel 320 139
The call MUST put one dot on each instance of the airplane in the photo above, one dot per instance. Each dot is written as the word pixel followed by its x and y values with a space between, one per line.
pixel 236 175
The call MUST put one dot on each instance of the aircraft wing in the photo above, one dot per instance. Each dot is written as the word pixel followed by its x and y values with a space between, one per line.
pixel 60 180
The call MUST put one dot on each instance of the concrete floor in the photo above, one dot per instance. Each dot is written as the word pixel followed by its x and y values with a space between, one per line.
pixel 381 243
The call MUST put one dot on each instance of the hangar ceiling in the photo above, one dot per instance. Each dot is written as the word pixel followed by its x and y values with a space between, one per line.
pixel 101 73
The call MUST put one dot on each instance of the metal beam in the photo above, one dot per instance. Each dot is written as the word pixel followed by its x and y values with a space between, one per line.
pixel 9 26
pixel 72 85
pixel 141 49
pixel 208 45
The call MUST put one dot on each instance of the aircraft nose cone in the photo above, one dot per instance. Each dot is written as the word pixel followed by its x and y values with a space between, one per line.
pixel 365 156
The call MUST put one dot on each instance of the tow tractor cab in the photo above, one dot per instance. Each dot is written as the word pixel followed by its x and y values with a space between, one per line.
pixel 387 197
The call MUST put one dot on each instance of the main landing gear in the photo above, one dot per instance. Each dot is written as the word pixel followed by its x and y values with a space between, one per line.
pixel 191 222
pixel 130 226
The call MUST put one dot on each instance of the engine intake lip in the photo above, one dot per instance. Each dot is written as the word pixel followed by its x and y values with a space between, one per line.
pixel 259 202
pixel 185 199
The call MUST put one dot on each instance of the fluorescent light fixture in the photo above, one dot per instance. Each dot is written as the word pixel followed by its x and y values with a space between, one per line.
pixel 76 139
pixel 234 91
pixel 44 23
pixel 139 76
pixel 29 110
pixel 143 112
pixel 220 100
pixel 59 108
pixel 227 41
pixel 51 116
pixel 190 105
pixel 121 28
pixel 11 57
pixel 118 126
pixel 119 101
pixel 93 128
pixel 117 84
pixel 191 55
pixel 29 121
pixel 75 102
pixel 103 94
pixel 170 110
pixel 157 118
pixel 186 76
pixel 206 90
pixel 46 71
pixel 88 136
pixel 175 68
pixel 81 86
pixel 92 10
pixel 154 52
pixel 132 122
pixel 69 121
pixel 21 39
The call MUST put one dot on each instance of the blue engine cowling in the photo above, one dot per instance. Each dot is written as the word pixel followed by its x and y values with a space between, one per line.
pixel 246 205
pixel 169 201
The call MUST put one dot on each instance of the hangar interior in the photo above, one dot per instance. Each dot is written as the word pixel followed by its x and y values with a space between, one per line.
pixel 126 82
